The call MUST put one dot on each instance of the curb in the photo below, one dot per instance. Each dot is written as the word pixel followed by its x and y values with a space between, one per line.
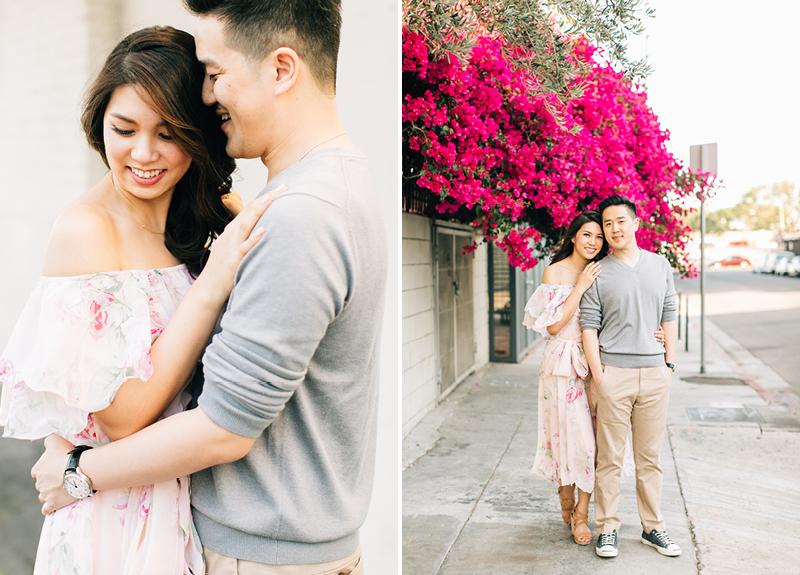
pixel 734 355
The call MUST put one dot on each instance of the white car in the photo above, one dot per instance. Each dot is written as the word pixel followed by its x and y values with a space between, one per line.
pixel 780 265
pixel 758 263
pixel 772 260
pixel 793 267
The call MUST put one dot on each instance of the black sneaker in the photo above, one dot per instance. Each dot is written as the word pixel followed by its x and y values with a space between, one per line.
pixel 661 541
pixel 607 544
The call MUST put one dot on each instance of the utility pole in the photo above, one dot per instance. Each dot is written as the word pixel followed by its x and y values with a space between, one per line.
pixel 703 158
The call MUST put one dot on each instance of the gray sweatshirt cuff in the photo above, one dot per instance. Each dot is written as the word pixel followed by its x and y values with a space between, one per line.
pixel 232 410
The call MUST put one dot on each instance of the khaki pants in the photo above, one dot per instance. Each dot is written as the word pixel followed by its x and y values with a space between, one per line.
pixel 639 396
pixel 217 564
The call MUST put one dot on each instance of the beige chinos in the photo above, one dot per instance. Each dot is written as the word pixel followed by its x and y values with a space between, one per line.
pixel 217 564
pixel 639 396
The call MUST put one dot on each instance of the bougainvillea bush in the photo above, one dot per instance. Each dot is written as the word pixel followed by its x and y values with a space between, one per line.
pixel 520 164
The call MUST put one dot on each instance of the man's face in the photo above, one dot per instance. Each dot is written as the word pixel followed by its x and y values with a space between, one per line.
pixel 235 86
pixel 619 227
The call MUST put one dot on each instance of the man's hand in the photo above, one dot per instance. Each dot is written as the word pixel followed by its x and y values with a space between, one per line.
pixel 49 474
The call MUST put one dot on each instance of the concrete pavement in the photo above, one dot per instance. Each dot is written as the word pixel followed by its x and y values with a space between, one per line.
pixel 731 463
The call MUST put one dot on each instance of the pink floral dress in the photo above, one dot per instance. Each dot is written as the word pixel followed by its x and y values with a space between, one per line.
pixel 566 448
pixel 78 339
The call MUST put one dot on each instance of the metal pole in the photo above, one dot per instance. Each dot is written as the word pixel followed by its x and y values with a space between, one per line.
pixel 680 300
pixel 686 323
pixel 702 287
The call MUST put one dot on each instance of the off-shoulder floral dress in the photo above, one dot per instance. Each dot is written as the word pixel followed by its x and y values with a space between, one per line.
pixel 566 446
pixel 78 339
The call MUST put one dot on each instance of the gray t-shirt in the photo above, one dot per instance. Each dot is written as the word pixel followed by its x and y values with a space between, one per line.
pixel 627 305
pixel 296 366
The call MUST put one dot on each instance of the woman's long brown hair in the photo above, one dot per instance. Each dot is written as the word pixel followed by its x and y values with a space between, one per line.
pixel 160 62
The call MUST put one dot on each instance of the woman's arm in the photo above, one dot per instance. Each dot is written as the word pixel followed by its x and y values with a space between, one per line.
pixel 83 241
pixel 570 306
pixel 175 353
pixel 591 350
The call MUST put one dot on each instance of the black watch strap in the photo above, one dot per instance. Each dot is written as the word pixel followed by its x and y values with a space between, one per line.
pixel 75 456
pixel 670 365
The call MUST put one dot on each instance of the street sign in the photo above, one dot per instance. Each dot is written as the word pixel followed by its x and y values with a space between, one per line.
pixel 703 158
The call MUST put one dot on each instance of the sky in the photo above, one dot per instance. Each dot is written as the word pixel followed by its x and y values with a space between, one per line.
pixel 728 75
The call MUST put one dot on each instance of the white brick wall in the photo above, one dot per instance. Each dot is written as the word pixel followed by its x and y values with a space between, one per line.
pixel 481 304
pixel 43 156
pixel 419 340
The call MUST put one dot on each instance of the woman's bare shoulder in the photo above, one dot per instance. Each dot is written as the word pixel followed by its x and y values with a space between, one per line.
pixel 83 241
pixel 552 274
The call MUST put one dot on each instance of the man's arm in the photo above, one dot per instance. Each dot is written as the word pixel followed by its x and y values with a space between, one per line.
pixel 170 448
pixel 591 321
pixel 272 327
pixel 669 318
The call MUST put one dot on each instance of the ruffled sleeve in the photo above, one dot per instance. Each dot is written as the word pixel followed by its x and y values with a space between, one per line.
pixel 544 307
pixel 77 340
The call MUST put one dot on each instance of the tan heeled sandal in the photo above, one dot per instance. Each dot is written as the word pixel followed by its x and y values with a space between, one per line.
pixel 567 505
pixel 582 537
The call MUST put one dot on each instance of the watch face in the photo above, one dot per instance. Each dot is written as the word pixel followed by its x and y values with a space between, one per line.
pixel 76 486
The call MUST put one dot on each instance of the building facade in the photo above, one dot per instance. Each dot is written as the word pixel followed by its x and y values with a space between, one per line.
pixel 459 312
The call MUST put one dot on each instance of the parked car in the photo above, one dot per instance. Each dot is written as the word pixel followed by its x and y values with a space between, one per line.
pixel 780 265
pixel 758 263
pixel 793 267
pixel 734 261
pixel 772 260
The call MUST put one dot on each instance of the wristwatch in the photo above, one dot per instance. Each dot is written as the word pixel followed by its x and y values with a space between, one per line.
pixel 672 366
pixel 76 482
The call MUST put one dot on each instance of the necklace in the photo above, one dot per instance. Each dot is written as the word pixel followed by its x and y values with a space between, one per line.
pixel 318 145
pixel 125 203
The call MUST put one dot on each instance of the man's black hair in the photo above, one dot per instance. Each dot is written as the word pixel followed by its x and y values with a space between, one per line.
pixel 257 27
pixel 617 200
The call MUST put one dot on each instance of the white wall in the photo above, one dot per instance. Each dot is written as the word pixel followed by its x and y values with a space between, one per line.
pixel 419 309
pixel 51 48
pixel 419 340
pixel 481 304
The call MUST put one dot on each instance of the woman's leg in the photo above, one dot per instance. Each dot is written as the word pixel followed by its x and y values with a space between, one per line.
pixel 580 519
pixel 566 496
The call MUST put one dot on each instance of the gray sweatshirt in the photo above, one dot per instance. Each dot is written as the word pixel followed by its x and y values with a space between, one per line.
pixel 627 305
pixel 296 366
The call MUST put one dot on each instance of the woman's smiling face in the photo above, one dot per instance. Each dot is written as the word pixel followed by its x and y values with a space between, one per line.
pixel 144 159
pixel 588 240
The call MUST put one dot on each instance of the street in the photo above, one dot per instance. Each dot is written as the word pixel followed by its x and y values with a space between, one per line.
pixel 760 311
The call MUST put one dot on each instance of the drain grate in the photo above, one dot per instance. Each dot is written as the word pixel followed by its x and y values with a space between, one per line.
pixel 724 414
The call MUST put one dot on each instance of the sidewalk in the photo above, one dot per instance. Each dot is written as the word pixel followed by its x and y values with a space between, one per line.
pixel 731 463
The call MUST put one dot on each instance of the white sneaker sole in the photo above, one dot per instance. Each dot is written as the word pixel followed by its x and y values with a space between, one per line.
pixel 609 553
pixel 661 549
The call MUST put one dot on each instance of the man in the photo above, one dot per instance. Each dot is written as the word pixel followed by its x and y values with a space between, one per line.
pixel 282 444
pixel 631 372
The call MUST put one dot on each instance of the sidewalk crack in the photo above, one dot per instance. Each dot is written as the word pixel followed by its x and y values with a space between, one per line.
pixel 480 496
pixel 698 563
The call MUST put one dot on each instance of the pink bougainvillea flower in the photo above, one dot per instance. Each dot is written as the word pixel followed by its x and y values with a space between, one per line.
pixel 521 164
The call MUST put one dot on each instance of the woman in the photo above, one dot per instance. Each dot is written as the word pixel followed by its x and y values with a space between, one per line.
pixel 566 442
pixel 92 357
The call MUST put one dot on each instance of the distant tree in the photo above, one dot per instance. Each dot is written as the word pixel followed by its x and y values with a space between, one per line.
pixel 759 209
pixel 534 35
